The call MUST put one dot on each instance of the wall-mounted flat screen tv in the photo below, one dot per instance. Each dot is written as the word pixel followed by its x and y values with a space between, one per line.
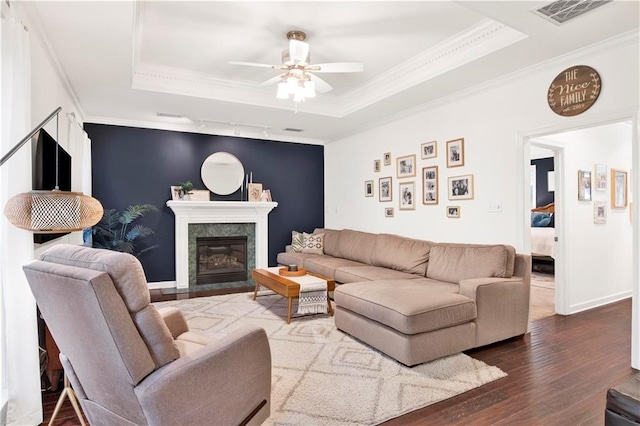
pixel 44 176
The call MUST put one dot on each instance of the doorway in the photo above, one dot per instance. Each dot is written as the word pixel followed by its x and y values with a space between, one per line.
pixel 587 273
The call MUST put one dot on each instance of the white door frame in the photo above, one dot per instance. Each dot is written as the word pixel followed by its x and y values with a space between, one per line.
pixel 523 208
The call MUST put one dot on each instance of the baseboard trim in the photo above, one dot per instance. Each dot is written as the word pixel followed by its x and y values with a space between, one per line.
pixel 574 309
pixel 161 284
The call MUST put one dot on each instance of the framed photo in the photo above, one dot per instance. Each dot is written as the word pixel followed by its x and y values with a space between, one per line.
pixel 368 188
pixel 407 195
pixel 599 212
pixel 376 165
pixel 584 185
pixel 460 187
pixel 387 158
pixel 600 177
pixel 388 212
pixel 430 185
pixel 455 153
pixel 176 191
pixel 429 150
pixel 406 166
pixel 618 189
pixel 254 191
pixel 384 189
pixel 453 211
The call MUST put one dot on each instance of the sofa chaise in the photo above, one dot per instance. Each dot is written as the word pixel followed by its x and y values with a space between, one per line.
pixel 418 300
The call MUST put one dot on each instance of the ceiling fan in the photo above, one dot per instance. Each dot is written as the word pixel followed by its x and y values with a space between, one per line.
pixel 298 79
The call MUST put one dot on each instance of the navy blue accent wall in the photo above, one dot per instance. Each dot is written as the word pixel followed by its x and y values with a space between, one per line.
pixel 137 166
pixel 543 196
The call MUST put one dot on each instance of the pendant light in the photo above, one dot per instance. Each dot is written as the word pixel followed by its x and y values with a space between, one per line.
pixel 52 211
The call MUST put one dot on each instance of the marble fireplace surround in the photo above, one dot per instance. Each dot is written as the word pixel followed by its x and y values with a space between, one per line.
pixel 187 212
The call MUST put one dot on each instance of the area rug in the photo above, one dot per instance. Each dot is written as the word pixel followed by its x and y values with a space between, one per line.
pixel 322 376
pixel 543 280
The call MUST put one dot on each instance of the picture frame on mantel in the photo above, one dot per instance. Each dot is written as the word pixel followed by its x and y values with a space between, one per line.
pixel 254 191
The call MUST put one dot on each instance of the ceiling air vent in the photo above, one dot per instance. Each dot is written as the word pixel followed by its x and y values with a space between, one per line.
pixel 290 129
pixel 562 11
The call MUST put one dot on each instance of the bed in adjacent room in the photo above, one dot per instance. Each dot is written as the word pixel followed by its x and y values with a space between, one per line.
pixel 543 232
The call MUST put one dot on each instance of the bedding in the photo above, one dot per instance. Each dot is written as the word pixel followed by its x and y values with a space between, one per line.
pixel 542 243
pixel 542 230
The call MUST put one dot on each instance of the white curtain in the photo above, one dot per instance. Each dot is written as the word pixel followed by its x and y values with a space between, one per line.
pixel 19 362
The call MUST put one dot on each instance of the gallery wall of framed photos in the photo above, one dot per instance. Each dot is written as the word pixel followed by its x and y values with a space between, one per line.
pixel 458 186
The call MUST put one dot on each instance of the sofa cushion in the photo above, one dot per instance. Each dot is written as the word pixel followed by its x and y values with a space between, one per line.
pixel 297 242
pixel 331 237
pixel 291 258
pixel 456 262
pixel 327 265
pixel 405 305
pixel 351 274
pixel 402 254
pixel 312 243
pixel 356 245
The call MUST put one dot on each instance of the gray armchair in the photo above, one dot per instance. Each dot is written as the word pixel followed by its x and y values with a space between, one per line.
pixel 130 363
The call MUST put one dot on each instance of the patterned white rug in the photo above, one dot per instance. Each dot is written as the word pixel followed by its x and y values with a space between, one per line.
pixel 322 376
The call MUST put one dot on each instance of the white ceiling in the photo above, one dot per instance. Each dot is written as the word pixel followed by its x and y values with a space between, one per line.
pixel 126 61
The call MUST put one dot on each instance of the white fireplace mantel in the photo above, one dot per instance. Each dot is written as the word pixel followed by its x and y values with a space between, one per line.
pixel 187 212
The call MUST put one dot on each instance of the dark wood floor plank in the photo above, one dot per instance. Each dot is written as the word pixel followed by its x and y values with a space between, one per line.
pixel 557 375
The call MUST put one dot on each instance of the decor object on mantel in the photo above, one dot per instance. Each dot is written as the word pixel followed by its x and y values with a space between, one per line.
pixel 50 212
pixel 222 173
pixel 297 80
pixel 185 189
pixel 113 233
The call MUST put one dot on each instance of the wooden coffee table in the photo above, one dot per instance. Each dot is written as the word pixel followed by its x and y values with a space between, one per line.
pixel 286 287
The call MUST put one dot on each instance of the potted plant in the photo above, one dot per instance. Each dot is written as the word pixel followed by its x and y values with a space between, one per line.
pixel 114 232
pixel 185 189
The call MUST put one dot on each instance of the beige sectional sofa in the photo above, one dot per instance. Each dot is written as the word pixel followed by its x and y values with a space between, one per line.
pixel 418 300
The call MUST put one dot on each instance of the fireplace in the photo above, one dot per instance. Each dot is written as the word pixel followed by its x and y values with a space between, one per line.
pixel 221 259
pixel 219 219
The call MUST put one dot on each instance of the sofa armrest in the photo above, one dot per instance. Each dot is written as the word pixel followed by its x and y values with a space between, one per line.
pixel 175 321
pixel 219 384
pixel 470 287
pixel 287 248
pixel 503 307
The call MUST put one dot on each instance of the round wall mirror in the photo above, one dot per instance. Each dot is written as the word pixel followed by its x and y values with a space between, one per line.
pixel 222 173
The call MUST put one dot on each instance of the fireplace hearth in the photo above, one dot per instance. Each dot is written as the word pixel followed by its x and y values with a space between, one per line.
pixel 221 259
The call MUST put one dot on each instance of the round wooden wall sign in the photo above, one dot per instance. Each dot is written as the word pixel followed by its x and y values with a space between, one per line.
pixel 574 90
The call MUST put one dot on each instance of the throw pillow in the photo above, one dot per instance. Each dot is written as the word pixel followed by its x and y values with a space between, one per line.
pixel 313 243
pixel 540 220
pixel 297 242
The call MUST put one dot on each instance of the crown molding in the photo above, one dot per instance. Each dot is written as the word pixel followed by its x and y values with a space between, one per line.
pixel 480 40
pixel 475 42
pixel 191 128
pixel 629 38
pixel 35 23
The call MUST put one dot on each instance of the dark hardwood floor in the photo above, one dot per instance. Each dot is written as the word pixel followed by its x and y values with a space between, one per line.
pixel 557 375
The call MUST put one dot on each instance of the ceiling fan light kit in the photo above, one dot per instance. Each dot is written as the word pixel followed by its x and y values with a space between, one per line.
pixel 297 81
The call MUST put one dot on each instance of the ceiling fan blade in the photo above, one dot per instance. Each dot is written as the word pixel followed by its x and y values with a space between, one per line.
pixel 298 51
pixel 320 85
pixel 254 64
pixel 337 67
pixel 271 81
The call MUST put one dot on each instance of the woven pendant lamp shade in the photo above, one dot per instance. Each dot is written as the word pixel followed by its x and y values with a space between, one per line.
pixel 53 211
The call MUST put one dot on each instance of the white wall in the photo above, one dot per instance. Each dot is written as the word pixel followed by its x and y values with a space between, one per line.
pixel 48 91
pixel 491 121
pixel 598 256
